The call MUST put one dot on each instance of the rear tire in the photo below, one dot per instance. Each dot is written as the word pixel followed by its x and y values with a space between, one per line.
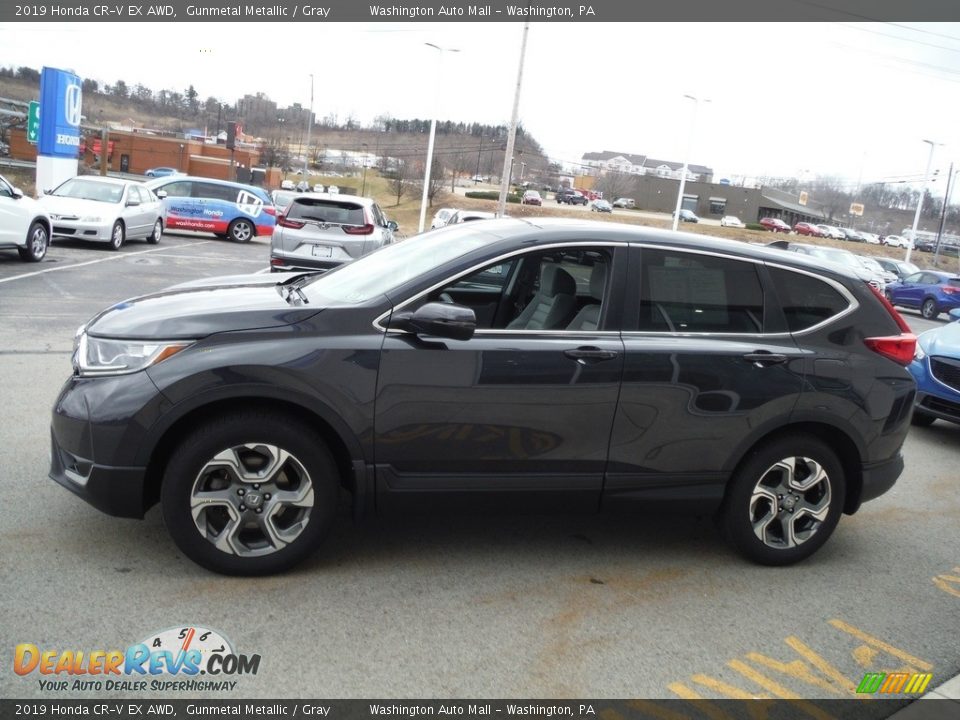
pixel 784 500
pixel 250 493
pixel 929 309
pixel 38 240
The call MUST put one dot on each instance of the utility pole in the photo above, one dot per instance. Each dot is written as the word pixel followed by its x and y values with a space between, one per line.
pixel 475 181
pixel 306 156
pixel 512 136
pixel 943 214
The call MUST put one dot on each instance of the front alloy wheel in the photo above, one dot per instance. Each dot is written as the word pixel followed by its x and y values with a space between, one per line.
pixel 117 236
pixel 37 242
pixel 241 231
pixel 784 501
pixel 251 494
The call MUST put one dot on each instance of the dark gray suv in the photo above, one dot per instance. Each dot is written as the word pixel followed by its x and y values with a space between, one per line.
pixel 535 364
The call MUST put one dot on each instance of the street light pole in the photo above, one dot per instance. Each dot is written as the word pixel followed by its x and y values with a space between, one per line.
pixel 306 156
pixel 923 192
pixel 363 191
pixel 433 132
pixel 686 160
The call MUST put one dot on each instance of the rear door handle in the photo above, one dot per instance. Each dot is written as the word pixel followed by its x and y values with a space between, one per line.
pixel 588 355
pixel 763 358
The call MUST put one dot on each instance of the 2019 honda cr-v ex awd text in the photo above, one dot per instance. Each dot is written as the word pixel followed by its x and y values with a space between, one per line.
pixel 511 363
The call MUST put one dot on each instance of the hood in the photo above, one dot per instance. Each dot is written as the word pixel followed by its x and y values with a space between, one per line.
pixel 201 308
pixel 76 206
pixel 944 341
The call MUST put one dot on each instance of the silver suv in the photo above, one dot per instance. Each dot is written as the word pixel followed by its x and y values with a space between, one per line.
pixel 319 231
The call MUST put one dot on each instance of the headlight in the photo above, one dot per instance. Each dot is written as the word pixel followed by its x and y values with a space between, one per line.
pixel 918 353
pixel 101 356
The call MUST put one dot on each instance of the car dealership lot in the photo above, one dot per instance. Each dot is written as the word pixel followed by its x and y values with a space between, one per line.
pixel 510 606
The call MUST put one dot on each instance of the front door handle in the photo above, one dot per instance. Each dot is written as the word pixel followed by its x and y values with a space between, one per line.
pixel 763 358
pixel 588 355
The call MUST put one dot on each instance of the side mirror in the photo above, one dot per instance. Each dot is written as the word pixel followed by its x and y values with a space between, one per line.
pixel 955 314
pixel 444 320
pixel 392 224
pixel 132 203
pixel 17 193
pixel 161 194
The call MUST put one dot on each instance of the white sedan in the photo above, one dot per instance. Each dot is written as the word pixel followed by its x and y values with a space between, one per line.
pixel 731 221
pixel 104 209
pixel 897 241
pixel 24 224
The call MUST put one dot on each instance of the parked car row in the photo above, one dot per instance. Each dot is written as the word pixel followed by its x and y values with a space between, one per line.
pixel 454 216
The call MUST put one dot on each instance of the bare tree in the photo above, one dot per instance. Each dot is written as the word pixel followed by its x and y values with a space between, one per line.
pixel 615 184
pixel 399 181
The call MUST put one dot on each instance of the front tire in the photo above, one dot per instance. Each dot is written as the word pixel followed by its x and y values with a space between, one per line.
pixel 251 493
pixel 117 236
pixel 784 500
pixel 929 309
pixel 38 240
pixel 241 231
pixel 154 237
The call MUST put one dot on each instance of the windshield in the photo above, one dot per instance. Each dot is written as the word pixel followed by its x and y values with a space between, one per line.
pixel 90 190
pixel 393 265
pixel 872 264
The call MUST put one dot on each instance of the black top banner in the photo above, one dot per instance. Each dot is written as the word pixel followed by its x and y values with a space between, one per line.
pixel 497 11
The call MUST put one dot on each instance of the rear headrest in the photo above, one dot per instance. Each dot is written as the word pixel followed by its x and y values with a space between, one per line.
pixel 598 279
pixel 554 280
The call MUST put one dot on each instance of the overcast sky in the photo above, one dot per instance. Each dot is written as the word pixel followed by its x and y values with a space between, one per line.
pixel 854 100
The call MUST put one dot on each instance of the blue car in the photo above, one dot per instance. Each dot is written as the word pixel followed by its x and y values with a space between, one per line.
pixel 936 368
pixel 161 172
pixel 931 292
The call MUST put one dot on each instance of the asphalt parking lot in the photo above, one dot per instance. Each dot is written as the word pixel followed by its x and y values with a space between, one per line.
pixel 622 606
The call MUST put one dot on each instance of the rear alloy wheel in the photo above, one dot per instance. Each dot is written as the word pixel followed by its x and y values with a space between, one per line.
pixel 250 494
pixel 240 231
pixel 784 501
pixel 117 236
pixel 38 240
pixel 154 237
pixel 929 309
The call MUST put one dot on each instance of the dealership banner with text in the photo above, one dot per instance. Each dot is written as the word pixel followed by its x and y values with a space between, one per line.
pixel 494 11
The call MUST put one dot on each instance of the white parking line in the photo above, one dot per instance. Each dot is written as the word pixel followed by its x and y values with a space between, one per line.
pixel 99 260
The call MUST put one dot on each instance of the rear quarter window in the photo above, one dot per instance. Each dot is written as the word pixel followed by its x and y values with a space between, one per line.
pixel 806 300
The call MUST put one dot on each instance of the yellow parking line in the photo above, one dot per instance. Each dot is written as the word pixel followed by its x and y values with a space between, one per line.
pixel 881 645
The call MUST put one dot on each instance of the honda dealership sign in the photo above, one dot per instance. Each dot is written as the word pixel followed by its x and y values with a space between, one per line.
pixel 61 100
pixel 61 105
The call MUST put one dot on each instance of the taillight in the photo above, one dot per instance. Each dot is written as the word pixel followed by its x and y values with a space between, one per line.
pixel 270 209
pixel 899 348
pixel 950 290
pixel 358 229
pixel 284 221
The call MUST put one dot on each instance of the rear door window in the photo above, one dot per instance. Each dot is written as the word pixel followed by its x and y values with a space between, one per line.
pixel 683 292
pixel 214 191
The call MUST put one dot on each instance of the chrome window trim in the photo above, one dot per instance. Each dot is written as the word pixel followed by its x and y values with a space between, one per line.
pixel 377 324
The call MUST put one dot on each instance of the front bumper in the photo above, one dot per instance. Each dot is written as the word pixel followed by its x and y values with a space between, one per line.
pixel 69 228
pixel 117 491
pixel 97 430
pixel 933 396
